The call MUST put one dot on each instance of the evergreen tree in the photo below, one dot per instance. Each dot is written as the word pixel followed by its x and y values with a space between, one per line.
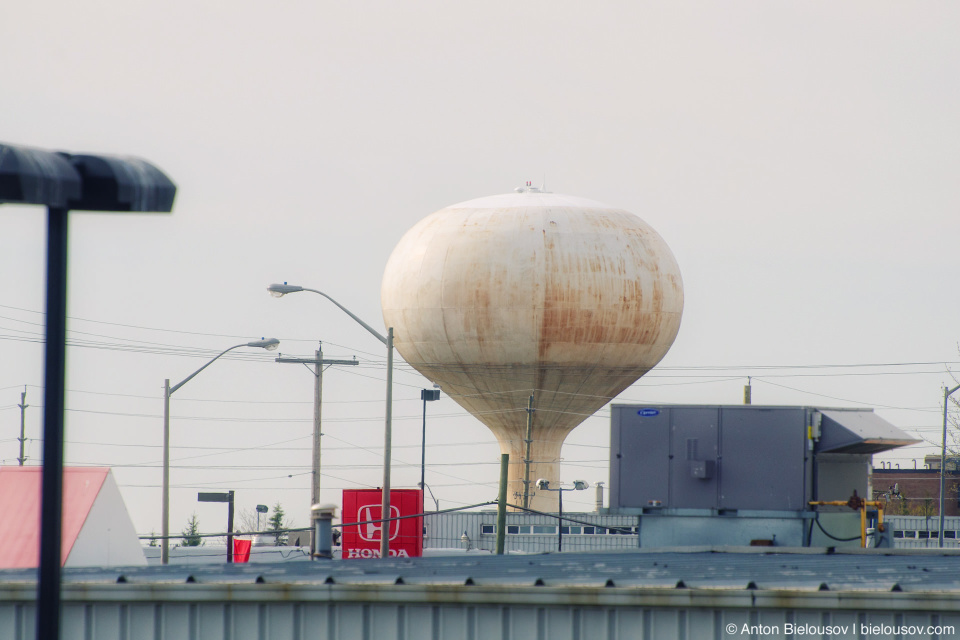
pixel 191 537
pixel 276 523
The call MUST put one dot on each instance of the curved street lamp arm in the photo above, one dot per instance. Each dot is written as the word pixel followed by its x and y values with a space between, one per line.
pixel 283 289
pixel 192 375
pixel 350 313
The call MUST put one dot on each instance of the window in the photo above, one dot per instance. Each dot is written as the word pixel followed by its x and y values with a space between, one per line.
pixel 589 531
pixel 923 534
pixel 897 534
pixel 516 529
pixel 488 528
pixel 949 534
pixel 540 528
pixel 571 530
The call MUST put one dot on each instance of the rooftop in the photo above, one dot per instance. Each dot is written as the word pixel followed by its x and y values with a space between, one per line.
pixel 692 568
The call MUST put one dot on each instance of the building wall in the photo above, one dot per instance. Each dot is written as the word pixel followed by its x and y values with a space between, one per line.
pixel 915 532
pixel 446 530
pixel 919 491
pixel 107 537
pixel 511 613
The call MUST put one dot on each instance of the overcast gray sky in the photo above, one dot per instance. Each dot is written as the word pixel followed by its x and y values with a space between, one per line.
pixel 799 158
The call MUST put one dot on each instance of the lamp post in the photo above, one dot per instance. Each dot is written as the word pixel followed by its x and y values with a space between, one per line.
pixel 64 182
pixel 578 485
pixel 427 395
pixel 943 458
pixel 280 290
pixel 267 343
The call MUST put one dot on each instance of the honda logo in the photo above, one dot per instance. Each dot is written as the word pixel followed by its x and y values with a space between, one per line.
pixel 373 531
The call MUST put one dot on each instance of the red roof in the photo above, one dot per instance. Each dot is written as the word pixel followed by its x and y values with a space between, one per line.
pixel 20 511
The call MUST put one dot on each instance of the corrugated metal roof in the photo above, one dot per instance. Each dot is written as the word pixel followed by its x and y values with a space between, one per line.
pixel 20 506
pixel 730 568
pixel 667 594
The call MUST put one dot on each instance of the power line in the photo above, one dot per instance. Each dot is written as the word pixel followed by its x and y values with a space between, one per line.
pixel 883 406
pixel 275 467
pixel 744 367
pixel 270 447
pixel 214 400
pixel 176 331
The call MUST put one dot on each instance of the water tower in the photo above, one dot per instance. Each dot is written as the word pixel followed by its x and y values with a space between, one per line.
pixel 532 294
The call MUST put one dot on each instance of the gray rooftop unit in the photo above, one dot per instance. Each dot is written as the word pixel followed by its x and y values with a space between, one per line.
pixel 763 462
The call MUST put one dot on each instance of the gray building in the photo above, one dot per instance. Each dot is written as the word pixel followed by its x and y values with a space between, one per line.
pixel 530 533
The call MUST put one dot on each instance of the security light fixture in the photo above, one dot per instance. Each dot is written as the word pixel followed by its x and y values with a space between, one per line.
pixel 578 485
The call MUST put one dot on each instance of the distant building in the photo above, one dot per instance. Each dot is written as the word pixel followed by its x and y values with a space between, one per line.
pixel 952 463
pixel 916 492
pixel 97 530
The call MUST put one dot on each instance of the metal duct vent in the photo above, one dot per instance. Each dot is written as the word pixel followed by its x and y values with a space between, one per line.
pixel 859 431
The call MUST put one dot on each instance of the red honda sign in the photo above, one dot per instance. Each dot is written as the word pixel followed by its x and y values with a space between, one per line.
pixel 364 506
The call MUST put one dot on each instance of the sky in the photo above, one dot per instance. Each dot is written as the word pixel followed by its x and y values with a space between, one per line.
pixel 799 158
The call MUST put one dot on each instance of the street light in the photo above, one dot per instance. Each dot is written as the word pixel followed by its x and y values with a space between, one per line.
pixel 943 458
pixel 427 395
pixel 578 485
pixel 266 343
pixel 63 182
pixel 280 290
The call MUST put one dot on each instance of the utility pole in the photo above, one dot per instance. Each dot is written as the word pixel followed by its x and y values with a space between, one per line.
pixel 943 458
pixel 23 409
pixel 318 363
pixel 526 458
pixel 502 502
